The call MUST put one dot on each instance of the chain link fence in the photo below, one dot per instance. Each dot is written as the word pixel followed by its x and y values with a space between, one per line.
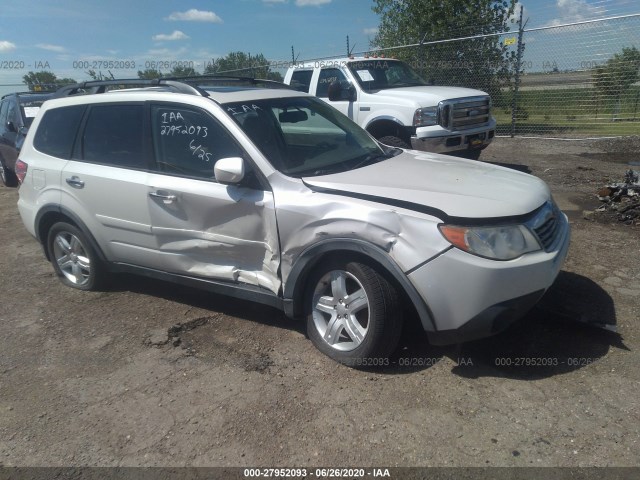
pixel 568 81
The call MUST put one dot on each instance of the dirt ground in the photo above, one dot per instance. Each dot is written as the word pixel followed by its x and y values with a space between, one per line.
pixel 154 374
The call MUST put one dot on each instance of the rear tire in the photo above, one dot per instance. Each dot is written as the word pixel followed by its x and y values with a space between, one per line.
pixel 393 141
pixel 73 258
pixel 353 314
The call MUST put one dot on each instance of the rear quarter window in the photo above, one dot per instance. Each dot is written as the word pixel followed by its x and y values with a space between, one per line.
pixel 57 131
pixel 301 80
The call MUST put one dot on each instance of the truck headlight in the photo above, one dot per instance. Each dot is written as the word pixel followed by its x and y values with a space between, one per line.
pixel 504 242
pixel 424 117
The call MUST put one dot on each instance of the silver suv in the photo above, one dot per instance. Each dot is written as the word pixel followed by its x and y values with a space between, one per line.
pixel 273 196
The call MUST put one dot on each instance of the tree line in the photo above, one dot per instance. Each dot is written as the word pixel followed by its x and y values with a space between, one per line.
pixel 239 64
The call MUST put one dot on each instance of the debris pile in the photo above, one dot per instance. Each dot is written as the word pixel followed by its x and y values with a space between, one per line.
pixel 621 200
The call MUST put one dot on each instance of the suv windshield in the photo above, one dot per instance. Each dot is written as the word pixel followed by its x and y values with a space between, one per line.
pixel 303 136
pixel 378 74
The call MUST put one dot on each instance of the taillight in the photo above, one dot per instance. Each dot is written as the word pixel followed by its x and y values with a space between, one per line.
pixel 21 170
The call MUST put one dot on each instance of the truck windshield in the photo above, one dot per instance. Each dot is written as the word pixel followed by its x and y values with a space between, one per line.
pixel 303 136
pixel 378 74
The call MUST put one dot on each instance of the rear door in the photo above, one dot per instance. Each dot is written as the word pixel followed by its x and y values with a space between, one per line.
pixel 203 228
pixel 105 182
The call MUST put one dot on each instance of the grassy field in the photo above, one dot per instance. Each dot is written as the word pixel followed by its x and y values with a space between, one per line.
pixel 570 112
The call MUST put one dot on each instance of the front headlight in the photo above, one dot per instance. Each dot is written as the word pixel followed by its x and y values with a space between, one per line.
pixel 504 242
pixel 424 117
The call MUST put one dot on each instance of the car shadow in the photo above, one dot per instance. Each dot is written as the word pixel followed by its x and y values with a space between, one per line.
pixel 571 327
pixel 512 166
pixel 198 298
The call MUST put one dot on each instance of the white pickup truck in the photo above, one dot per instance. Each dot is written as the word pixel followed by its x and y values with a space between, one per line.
pixel 391 101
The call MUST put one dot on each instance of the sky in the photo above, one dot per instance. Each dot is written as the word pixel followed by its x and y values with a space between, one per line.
pixel 69 37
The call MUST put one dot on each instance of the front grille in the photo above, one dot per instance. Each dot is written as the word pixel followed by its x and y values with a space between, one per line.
pixel 547 224
pixel 465 113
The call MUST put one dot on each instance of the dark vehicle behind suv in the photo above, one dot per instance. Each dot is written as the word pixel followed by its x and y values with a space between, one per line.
pixel 17 111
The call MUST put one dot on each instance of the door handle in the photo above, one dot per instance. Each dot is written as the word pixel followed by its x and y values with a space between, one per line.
pixel 75 182
pixel 162 195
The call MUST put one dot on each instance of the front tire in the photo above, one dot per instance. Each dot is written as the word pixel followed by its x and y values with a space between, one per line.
pixel 73 258
pixel 393 141
pixel 353 314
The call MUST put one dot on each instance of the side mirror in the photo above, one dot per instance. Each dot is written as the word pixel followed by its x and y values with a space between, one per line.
pixel 229 171
pixel 341 90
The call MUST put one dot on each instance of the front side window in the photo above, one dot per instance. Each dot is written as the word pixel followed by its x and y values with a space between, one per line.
pixel 188 142
pixel 57 131
pixel 326 78
pixel 114 135
pixel 303 136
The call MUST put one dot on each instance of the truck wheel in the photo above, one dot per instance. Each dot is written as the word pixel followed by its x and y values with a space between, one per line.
pixel 393 141
pixel 353 314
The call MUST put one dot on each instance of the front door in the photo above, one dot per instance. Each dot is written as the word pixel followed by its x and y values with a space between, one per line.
pixel 326 77
pixel 204 228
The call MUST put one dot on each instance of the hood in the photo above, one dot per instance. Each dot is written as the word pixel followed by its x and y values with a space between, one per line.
pixel 460 188
pixel 429 95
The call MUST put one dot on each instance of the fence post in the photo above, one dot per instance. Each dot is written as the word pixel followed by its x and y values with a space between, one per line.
pixel 514 101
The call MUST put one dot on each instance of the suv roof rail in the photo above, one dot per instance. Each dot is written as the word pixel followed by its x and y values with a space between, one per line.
pixel 26 93
pixel 201 80
pixel 190 85
pixel 100 86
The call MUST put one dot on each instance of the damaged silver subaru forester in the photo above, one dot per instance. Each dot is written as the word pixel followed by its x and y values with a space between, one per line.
pixel 272 196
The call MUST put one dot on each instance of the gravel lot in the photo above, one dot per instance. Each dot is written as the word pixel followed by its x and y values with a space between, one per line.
pixel 153 374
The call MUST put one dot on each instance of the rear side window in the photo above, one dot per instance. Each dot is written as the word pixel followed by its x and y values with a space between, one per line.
pixel 301 80
pixel 114 135
pixel 57 131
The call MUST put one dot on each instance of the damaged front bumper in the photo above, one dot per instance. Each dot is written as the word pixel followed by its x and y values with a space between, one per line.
pixel 471 297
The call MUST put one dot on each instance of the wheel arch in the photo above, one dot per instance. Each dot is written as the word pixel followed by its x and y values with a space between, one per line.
pixel 49 215
pixel 388 126
pixel 352 250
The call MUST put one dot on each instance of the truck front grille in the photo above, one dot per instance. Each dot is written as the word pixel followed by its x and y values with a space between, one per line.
pixel 464 113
